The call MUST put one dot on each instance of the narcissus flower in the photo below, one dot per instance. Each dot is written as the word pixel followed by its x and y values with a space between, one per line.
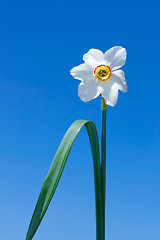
pixel 100 75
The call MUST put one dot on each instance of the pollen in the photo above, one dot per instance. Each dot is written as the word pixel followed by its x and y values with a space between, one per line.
pixel 102 72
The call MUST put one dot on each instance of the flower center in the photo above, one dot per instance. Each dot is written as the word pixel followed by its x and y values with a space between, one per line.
pixel 103 72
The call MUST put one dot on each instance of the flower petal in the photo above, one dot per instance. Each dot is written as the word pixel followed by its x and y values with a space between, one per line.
pixel 88 91
pixel 83 72
pixel 110 93
pixel 116 57
pixel 119 77
pixel 94 57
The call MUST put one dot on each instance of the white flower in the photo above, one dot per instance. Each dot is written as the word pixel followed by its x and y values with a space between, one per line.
pixel 99 75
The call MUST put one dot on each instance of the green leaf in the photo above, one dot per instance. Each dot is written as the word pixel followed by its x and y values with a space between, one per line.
pixel 55 172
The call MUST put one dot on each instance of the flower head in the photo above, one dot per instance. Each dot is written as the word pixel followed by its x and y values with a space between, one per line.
pixel 99 74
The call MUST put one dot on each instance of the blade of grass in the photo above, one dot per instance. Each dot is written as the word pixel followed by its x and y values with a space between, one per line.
pixel 55 172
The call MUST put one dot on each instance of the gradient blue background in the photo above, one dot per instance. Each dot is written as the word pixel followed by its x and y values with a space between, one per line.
pixel 40 41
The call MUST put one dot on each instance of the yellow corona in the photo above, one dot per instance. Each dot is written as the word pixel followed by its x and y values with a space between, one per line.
pixel 102 72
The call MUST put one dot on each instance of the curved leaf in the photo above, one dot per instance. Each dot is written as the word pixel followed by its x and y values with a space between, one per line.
pixel 55 172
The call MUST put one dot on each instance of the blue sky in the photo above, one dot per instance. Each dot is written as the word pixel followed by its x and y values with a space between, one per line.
pixel 40 42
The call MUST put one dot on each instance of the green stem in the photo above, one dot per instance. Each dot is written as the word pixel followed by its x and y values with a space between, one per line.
pixel 103 159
